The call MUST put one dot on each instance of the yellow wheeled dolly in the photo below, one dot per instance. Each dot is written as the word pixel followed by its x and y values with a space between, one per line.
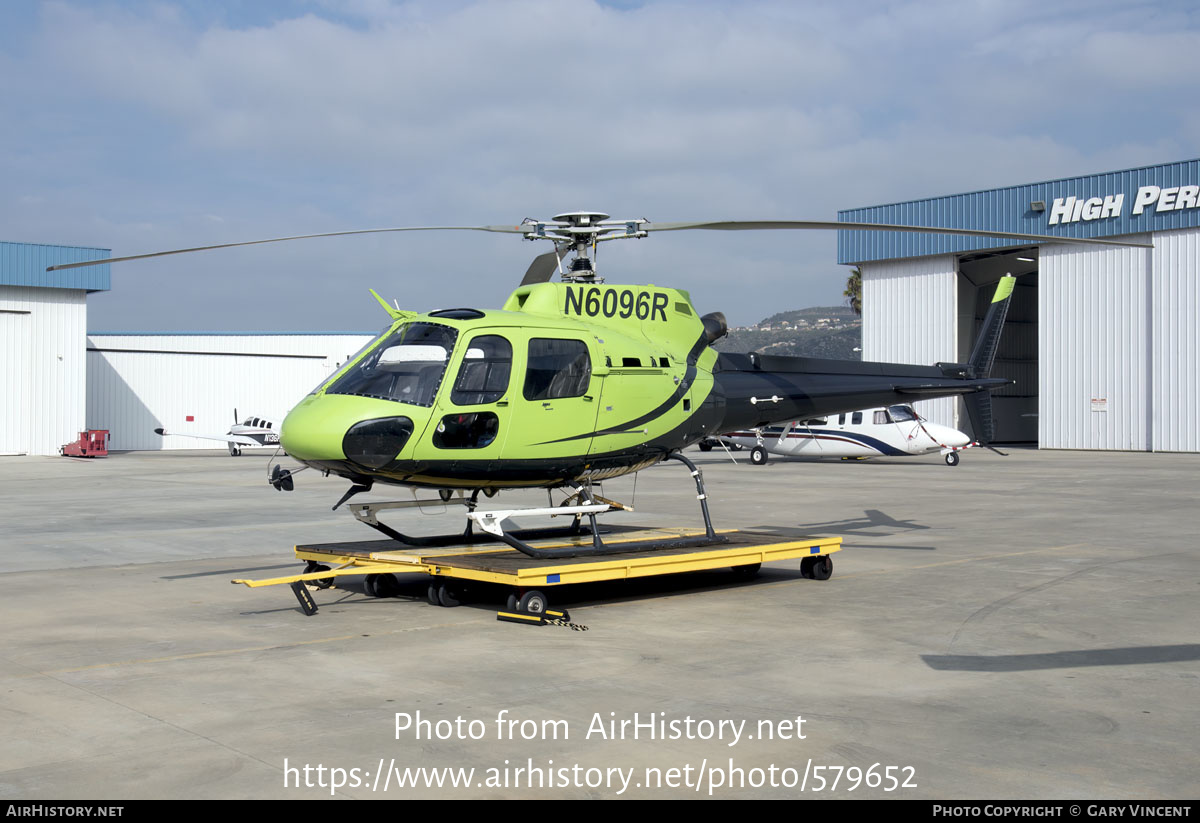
pixel 451 568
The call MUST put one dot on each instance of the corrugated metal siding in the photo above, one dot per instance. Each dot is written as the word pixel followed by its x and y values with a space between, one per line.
pixel 16 380
pixel 24 264
pixel 137 383
pixel 1008 210
pixel 910 316
pixel 50 349
pixel 1176 343
pixel 1093 338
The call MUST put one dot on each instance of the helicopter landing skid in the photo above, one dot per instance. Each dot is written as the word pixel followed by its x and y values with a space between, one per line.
pixel 491 522
pixel 367 513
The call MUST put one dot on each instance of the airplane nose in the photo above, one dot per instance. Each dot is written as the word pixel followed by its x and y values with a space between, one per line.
pixel 948 436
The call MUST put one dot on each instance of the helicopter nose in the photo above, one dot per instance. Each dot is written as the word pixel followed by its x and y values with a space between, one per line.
pixel 336 428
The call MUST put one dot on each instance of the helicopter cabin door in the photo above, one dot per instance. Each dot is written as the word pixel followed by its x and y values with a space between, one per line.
pixel 473 416
pixel 554 401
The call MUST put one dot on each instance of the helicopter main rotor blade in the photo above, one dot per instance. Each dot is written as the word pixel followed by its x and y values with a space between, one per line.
pixel 758 225
pixel 504 229
pixel 541 269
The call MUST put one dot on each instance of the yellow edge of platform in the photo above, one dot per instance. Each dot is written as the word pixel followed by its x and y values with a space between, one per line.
pixel 610 567
pixel 616 567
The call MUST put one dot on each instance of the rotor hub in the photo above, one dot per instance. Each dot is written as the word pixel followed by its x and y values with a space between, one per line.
pixel 577 233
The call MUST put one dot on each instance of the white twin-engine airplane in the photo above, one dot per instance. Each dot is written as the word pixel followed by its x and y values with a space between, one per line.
pixel 253 431
pixel 895 431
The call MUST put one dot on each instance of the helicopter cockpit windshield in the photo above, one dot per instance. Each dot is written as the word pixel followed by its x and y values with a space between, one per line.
pixel 407 367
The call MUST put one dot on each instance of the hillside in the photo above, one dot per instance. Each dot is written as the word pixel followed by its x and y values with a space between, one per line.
pixel 819 331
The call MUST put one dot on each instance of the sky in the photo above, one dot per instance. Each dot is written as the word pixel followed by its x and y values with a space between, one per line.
pixel 141 126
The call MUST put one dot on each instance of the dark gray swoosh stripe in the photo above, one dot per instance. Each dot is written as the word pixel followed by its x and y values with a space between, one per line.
pixel 658 411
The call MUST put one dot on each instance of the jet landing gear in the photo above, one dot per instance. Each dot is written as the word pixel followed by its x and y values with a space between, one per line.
pixel 758 456
pixel 951 458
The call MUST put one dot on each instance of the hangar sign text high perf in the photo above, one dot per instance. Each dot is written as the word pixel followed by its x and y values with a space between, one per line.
pixel 1174 198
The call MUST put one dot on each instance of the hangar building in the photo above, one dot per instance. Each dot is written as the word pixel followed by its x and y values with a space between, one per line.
pixel 199 381
pixel 43 324
pixel 1101 341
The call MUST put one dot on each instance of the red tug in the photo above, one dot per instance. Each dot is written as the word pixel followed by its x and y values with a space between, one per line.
pixel 91 443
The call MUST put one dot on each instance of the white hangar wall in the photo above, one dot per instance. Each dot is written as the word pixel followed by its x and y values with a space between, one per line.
pixel 1118 345
pixel 1175 346
pixel 910 310
pixel 1093 340
pixel 42 402
pixel 139 382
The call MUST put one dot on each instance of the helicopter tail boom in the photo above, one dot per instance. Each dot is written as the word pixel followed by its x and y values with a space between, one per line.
pixel 764 389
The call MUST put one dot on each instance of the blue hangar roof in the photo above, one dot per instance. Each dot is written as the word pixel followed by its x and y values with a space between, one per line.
pixel 1150 198
pixel 24 264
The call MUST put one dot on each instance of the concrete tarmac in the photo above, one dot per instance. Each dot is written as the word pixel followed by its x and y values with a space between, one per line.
pixel 1021 627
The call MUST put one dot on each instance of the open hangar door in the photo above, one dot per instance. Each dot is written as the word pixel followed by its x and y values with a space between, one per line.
pixel 1015 407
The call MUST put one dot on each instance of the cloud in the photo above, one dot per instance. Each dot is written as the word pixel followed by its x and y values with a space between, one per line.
pixel 149 125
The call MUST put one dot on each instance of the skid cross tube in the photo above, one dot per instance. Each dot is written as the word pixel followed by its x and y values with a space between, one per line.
pixel 490 522
pixel 366 513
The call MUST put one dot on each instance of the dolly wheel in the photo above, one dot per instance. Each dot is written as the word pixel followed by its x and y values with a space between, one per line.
pixel 446 596
pixel 822 567
pixel 511 603
pixel 312 567
pixel 431 594
pixel 747 571
pixel 533 602
pixel 951 458
pixel 382 585
pixel 758 455
pixel 705 447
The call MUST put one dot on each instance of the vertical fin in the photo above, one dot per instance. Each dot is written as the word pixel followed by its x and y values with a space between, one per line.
pixel 984 353
pixel 979 404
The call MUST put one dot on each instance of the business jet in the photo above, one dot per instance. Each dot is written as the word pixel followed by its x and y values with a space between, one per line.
pixel 893 431
pixel 253 431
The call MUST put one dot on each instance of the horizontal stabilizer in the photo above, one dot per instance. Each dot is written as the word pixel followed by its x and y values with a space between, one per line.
pixel 943 389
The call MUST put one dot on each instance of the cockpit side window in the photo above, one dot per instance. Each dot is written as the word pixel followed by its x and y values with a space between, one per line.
pixel 483 375
pixel 406 367
pixel 902 414
pixel 557 368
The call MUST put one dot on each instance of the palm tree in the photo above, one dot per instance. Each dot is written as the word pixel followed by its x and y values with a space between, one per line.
pixel 853 292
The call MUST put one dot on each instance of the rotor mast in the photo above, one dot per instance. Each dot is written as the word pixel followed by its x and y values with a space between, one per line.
pixel 578 232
